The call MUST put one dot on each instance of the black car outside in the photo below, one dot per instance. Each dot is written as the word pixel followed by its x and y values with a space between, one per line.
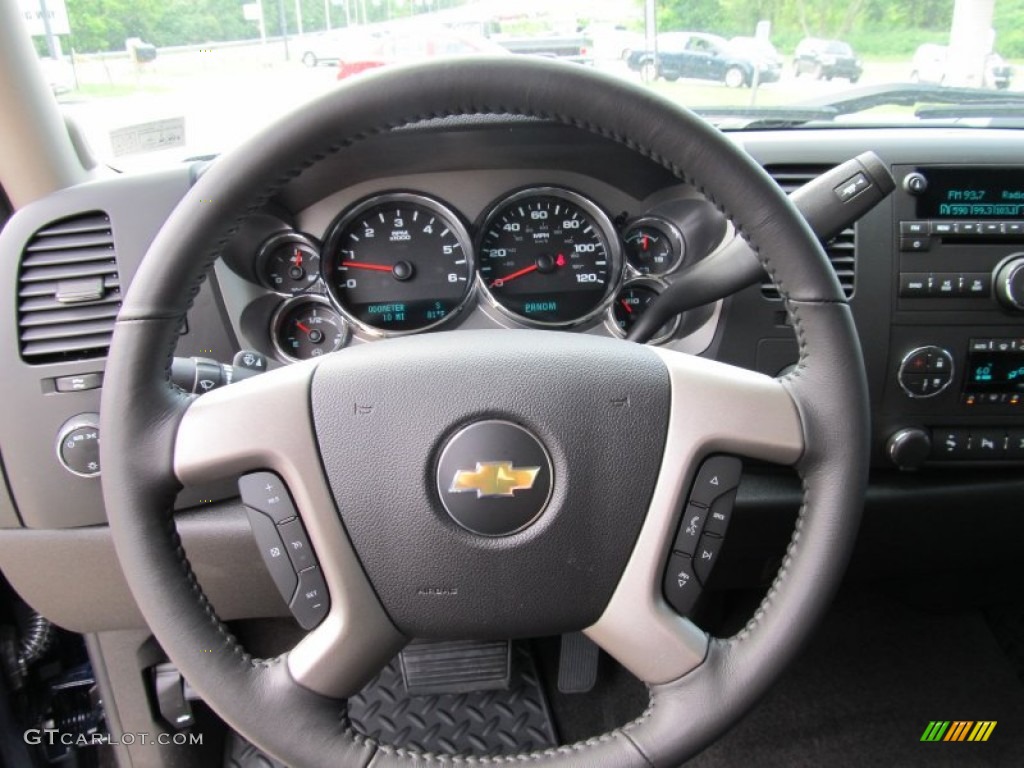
pixel 704 57
pixel 826 59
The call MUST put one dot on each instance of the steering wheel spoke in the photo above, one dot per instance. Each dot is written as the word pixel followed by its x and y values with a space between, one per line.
pixel 264 423
pixel 716 409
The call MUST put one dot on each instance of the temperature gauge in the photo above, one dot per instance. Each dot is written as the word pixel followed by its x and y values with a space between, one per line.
pixel 653 246
pixel 289 263
pixel 307 327
pixel 632 301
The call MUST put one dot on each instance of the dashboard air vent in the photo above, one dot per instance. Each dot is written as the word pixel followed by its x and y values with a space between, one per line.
pixel 69 292
pixel 841 250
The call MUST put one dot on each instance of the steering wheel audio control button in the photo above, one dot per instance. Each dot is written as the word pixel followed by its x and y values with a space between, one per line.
pixel 716 477
pixel 295 541
pixel 309 605
pixel 706 556
pixel 682 590
pixel 274 553
pixel 266 492
pixel 690 529
pixel 720 514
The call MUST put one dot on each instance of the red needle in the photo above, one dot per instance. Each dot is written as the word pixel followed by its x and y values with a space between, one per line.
pixel 298 258
pixel 359 265
pixel 302 327
pixel 519 273
pixel 643 243
pixel 625 303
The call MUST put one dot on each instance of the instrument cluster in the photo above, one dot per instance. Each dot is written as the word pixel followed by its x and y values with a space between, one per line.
pixel 405 262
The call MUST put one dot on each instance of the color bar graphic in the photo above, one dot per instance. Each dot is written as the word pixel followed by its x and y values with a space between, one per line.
pixel 958 730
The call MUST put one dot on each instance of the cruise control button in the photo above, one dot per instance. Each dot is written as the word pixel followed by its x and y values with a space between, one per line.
pixel 720 514
pixel 717 476
pixel 266 492
pixel 680 585
pixel 690 529
pixel 706 555
pixel 273 552
pixel 309 606
pixel 294 537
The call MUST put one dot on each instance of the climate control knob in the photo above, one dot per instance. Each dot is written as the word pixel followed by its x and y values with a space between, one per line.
pixel 909 448
pixel 925 372
pixel 1009 282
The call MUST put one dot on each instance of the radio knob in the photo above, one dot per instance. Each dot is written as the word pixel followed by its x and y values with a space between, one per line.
pixel 1009 282
pixel 909 448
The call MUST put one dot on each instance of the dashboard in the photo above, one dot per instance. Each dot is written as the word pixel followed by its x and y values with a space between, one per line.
pixel 514 223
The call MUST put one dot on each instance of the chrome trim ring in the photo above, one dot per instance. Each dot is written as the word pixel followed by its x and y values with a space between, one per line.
pixel 606 231
pixel 670 230
pixel 655 284
pixel 452 221
pixel 287 306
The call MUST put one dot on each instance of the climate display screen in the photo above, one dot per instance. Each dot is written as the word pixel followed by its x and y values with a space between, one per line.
pixel 995 372
pixel 972 193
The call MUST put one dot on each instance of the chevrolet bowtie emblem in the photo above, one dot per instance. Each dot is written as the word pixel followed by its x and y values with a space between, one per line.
pixel 494 478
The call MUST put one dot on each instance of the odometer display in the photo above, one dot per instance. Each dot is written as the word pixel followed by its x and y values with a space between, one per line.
pixel 398 263
pixel 549 257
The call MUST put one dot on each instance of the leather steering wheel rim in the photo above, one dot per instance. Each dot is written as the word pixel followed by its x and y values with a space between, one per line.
pixel 142 410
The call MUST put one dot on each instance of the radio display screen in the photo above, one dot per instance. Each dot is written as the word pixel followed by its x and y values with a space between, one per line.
pixel 995 372
pixel 972 193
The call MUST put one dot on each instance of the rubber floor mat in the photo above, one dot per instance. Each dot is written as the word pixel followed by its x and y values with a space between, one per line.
pixel 482 723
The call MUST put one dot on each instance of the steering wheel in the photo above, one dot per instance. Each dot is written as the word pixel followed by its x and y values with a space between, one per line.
pixel 358 437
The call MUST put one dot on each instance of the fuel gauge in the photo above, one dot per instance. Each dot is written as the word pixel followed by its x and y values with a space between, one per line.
pixel 289 263
pixel 654 246
pixel 632 301
pixel 307 327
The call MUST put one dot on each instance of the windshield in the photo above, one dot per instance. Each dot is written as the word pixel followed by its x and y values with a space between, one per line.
pixel 158 81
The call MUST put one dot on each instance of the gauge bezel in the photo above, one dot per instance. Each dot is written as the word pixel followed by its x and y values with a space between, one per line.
pixel 274 241
pixel 667 228
pixel 646 281
pixel 608 231
pixel 452 220
pixel 287 306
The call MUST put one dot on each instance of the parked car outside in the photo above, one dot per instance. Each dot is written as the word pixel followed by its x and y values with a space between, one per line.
pixel 413 44
pixel 826 59
pixel 932 64
pixel 703 57
pixel 323 47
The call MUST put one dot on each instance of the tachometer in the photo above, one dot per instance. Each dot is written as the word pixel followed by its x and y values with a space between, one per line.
pixel 549 257
pixel 398 263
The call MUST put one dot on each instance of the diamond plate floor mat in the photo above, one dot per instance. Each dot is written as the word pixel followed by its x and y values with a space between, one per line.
pixel 482 723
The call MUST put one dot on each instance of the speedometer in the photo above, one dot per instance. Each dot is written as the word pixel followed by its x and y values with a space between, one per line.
pixel 398 263
pixel 549 257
